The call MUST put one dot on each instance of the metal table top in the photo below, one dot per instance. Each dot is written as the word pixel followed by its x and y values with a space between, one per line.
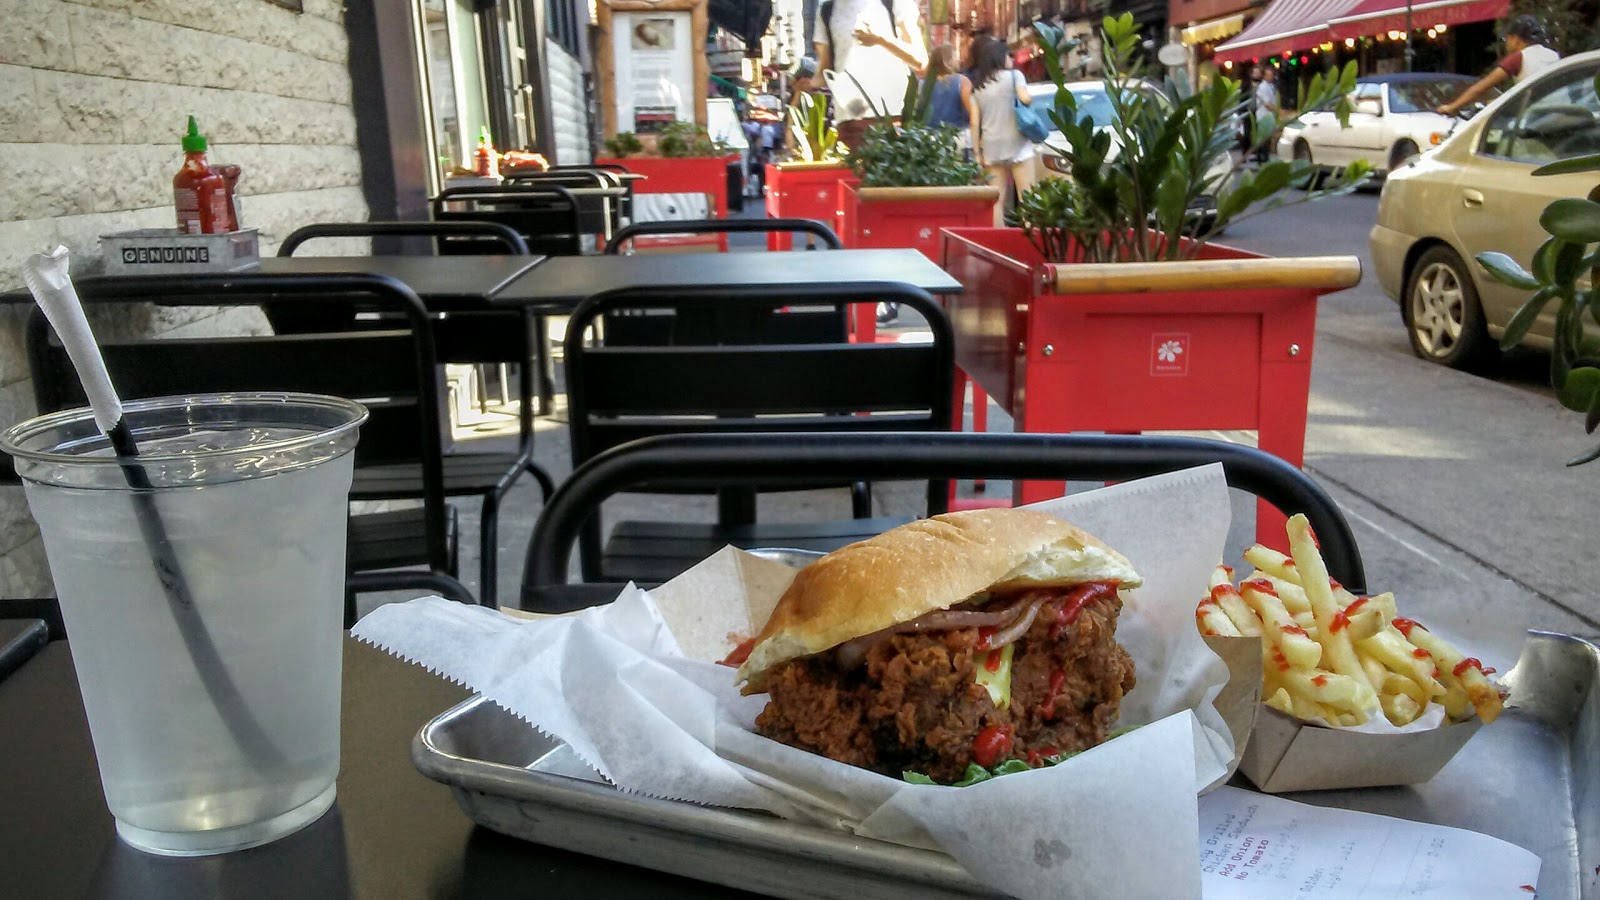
pixel 441 281
pixel 391 833
pixel 565 281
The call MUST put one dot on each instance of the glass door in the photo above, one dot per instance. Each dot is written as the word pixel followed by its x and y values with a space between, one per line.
pixel 455 103
pixel 517 78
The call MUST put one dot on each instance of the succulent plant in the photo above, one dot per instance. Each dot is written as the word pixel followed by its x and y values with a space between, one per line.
pixel 1133 187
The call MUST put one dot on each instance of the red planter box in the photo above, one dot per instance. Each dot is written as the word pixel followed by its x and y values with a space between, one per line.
pixel 1229 357
pixel 683 175
pixel 905 217
pixel 804 191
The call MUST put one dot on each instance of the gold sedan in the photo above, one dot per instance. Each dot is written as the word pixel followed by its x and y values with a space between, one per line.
pixel 1477 193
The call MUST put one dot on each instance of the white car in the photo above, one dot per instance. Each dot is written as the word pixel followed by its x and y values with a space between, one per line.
pixel 1093 102
pixel 1392 121
pixel 1477 193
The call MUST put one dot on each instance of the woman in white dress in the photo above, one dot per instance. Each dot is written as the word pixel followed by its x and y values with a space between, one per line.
pixel 1001 148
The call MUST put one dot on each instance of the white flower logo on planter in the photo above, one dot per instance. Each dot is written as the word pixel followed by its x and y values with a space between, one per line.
pixel 1169 354
pixel 924 234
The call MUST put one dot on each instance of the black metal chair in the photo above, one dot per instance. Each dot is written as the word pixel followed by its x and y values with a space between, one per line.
pixel 477 338
pixel 812 325
pixel 618 174
pixel 719 460
pixel 581 178
pixel 549 219
pixel 398 367
pixel 727 363
pixel 548 216
pixel 812 227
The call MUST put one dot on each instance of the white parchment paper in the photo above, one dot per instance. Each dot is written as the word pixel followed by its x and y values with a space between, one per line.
pixel 633 689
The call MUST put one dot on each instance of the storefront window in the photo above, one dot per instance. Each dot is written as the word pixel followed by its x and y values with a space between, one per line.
pixel 453 68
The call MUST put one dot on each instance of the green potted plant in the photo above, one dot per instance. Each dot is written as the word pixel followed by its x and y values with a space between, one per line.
pixel 913 181
pixel 623 144
pixel 805 186
pixel 1566 268
pixel 1110 308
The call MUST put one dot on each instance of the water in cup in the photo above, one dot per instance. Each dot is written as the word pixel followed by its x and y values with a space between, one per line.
pixel 258 529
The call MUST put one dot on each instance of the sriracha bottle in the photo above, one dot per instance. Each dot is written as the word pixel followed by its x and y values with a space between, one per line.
pixel 484 158
pixel 198 192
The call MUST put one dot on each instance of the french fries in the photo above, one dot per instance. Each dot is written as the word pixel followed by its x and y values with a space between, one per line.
pixel 1223 611
pixel 1328 654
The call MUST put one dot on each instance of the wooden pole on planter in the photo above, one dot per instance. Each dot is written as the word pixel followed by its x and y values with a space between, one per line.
pixel 1327 272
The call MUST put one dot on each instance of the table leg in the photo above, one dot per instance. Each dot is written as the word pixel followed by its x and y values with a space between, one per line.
pixel 547 374
pixel 980 423
pixel 1039 419
pixel 865 316
pixel 1281 426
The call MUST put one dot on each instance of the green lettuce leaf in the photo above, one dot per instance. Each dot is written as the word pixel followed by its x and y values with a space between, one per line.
pixel 998 682
pixel 977 774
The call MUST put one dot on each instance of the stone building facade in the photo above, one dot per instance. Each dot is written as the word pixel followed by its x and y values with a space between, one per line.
pixel 93 100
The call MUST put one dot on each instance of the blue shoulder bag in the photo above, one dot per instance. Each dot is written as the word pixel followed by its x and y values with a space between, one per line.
pixel 1033 121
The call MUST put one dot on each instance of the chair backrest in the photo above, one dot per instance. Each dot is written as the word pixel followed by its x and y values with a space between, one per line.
pixel 585 167
pixel 724 226
pixel 726 368
pixel 444 234
pixel 491 336
pixel 812 325
pixel 546 215
pixel 393 372
pixel 579 178
pixel 616 174
pixel 724 460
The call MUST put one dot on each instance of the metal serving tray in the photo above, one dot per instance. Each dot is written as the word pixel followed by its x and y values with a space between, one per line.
pixel 1532 778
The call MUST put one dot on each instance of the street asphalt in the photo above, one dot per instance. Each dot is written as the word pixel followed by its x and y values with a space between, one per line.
pixel 1454 483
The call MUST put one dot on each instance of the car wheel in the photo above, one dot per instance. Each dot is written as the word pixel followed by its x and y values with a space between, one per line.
pixel 1403 153
pixel 1442 314
pixel 1302 153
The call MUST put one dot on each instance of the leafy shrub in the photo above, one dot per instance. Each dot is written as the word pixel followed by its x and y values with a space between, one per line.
pixel 623 144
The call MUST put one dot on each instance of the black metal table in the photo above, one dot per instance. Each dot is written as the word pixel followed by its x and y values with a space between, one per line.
pixel 560 283
pixel 445 283
pixel 391 834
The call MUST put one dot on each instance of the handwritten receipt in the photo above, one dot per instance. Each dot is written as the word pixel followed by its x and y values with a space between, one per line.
pixel 1259 846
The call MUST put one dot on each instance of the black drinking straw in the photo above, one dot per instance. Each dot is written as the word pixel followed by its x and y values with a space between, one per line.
pixel 52 288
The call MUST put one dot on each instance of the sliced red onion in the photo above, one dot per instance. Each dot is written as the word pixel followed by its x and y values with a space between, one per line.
pixel 960 618
pixel 853 653
pixel 1020 627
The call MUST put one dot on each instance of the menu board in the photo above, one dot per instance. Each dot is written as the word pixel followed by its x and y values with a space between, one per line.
pixel 652 65
pixel 654 69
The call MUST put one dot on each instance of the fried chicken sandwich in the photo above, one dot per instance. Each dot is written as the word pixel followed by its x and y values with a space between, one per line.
pixel 972 638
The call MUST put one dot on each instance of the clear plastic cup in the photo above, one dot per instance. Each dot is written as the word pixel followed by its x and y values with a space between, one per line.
pixel 214 705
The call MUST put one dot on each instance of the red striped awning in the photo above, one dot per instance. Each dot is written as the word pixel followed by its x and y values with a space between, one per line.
pixel 1286 26
pixel 1370 17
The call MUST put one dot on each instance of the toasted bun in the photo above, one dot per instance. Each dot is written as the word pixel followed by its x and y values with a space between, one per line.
pixel 928 565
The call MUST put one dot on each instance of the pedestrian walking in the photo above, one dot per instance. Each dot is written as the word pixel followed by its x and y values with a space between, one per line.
pixel 873 47
pixel 1526 56
pixel 1247 125
pixel 1267 111
pixel 1001 148
pixel 951 103
pixel 754 160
